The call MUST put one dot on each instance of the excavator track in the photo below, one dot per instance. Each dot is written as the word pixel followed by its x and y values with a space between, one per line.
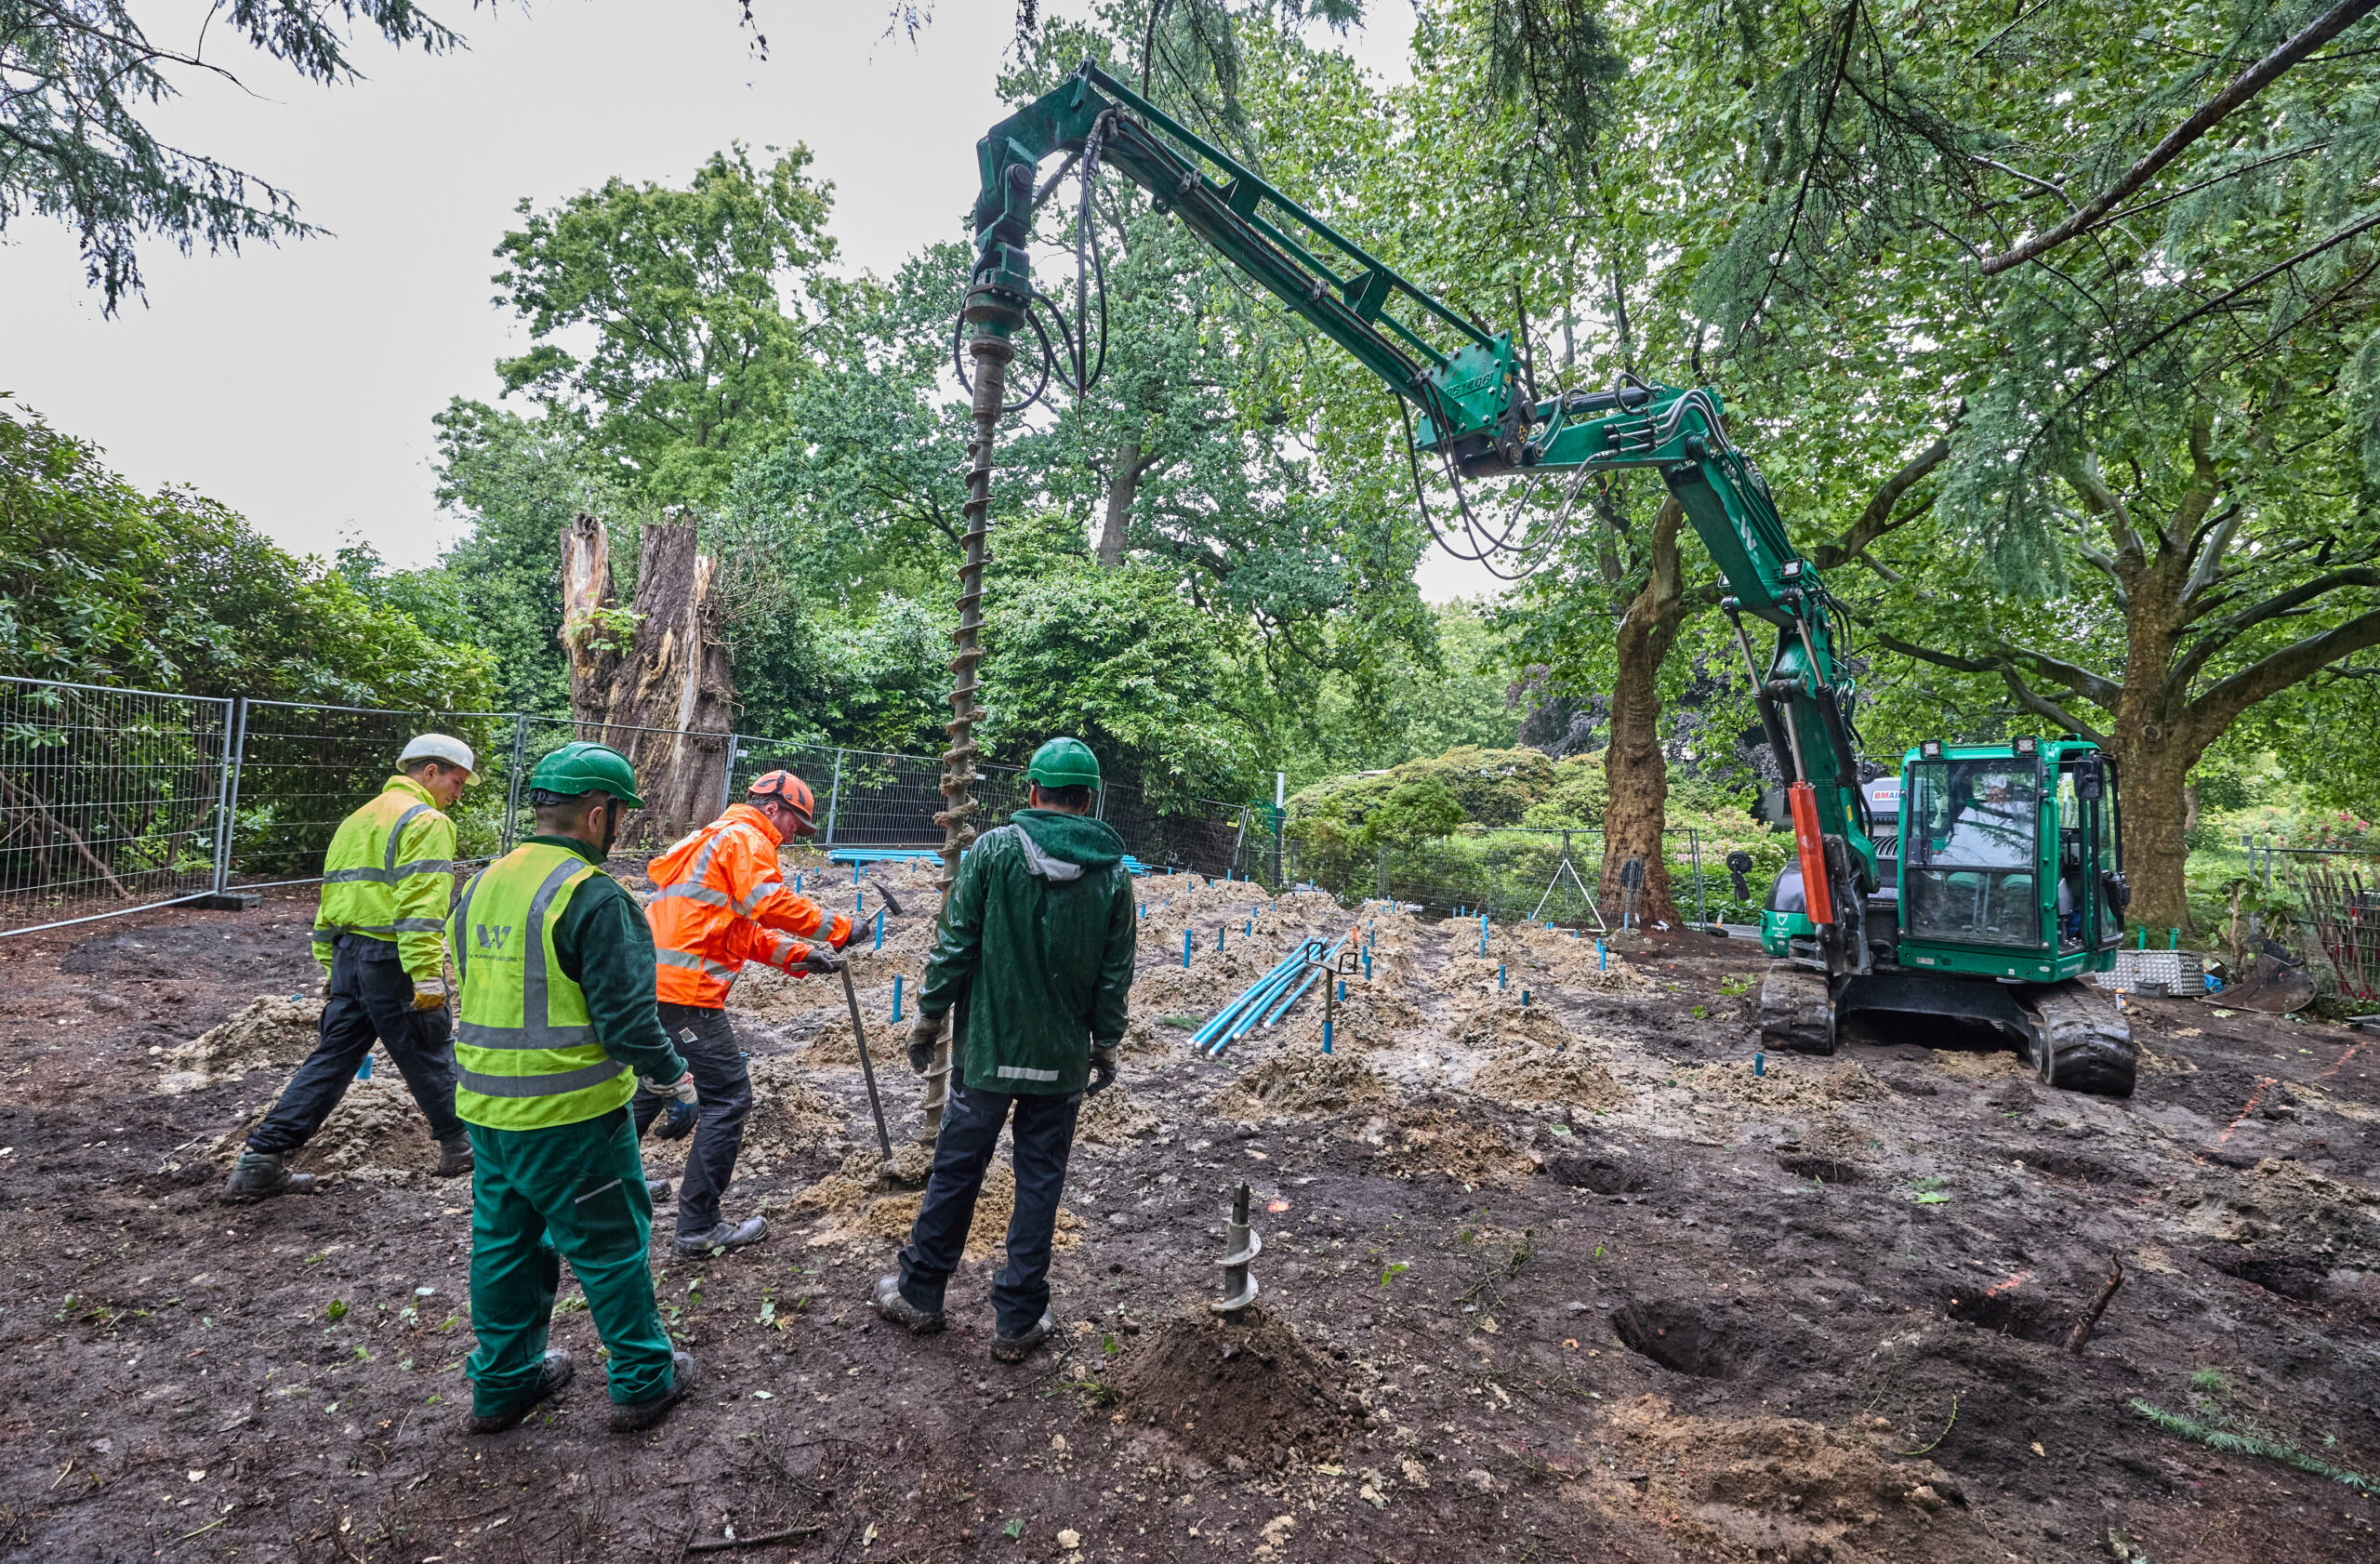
pixel 1796 1010
pixel 2083 1043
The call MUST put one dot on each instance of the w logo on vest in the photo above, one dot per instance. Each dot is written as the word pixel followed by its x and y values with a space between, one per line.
pixel 492 937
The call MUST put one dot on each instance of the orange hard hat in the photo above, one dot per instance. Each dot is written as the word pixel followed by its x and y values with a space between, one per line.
pixel 792 791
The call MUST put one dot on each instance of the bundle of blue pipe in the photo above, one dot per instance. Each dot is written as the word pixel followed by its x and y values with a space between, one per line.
pixel 1269 998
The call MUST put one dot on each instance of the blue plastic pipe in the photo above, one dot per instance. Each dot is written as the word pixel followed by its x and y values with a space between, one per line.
pixel 896 996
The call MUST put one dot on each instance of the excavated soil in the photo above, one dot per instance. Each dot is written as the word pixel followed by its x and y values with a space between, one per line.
pixel 1569 1280
pixel 1240 1393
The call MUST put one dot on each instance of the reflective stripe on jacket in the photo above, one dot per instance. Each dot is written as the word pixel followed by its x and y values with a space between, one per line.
pixel 720 901
pixel 526 1043
pixel 390 875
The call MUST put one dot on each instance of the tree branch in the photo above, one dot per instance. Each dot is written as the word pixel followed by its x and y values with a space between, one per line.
pixel 2242 88
pixel 2293 664
pixel 1877 518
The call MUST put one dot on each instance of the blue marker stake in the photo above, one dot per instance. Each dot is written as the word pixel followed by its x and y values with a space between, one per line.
pixel 1524 999
pixel 797 884
pixel 1483 934
pixel 364 1071
pixel 1760 1064
pixel 879 930
pixel 1342 988
pixel 1603 958
pixel 854 871
pixel 1185 950
pixel 896 996
pixel 1368 966
pixel 1499 975
pixel 1325 1034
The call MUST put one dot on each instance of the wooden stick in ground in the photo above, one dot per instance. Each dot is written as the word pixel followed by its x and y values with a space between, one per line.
pixel 866 1070
pixel 722 1544
pixel 2090 1320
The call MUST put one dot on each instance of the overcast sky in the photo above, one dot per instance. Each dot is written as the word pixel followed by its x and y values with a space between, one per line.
pixel 297 384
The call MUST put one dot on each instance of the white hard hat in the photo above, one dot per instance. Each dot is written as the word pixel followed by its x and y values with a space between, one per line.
pixel 440 746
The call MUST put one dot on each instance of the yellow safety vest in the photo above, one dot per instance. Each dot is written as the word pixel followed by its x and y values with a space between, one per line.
pixel 389 876
pixel 527 1047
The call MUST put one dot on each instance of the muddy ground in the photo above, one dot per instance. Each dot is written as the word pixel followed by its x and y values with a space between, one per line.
pixel 1568 1281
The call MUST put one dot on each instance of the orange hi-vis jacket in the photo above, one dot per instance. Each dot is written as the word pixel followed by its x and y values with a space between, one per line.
pixel 720 901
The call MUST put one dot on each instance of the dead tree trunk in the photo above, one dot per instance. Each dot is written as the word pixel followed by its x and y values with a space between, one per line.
pixel 1635 770
pixel 651 681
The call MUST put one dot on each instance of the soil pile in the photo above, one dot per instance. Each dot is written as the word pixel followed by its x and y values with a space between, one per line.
pixel 1493 1020
pixel 1438 1140
pixel 376 1135
pixel 1781 1487
pixel 855 1212
pixel 1113 1117
pixel 1291 1084
pixel 273 1031
pixel 1530 1074
pixel 1786 1085
pixel 886 1042
pixel 1250 1389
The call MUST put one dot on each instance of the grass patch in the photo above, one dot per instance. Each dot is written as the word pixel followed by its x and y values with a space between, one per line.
pixel 2241 1444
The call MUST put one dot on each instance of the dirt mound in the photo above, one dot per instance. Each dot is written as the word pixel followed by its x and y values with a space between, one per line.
pixel 1531 1074
pixel 1113 1117
pixel 1787 1083
pixel 1781 1487
pixel 856 1212
pixel 1251 1390
pixel 376 1135
pixel 1969 1064
pixel 273 1031
pixel 888 1045
pixel 1495 1020
pixel 1438 1140
pixel 1298 1083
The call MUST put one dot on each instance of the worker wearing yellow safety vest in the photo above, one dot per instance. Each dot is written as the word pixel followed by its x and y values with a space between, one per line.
pixel 721 900
pixel 381 935
pixel 559 1021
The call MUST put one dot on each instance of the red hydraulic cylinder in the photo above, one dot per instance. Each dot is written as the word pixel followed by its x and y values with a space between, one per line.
pixel 1818 897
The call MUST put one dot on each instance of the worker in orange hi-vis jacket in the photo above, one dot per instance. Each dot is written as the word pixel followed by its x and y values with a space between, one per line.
pixel 719 901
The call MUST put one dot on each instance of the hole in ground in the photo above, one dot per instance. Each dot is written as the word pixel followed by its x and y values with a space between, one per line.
pixel 2295 1276
pixel 2022 1312
pixel 1826 1170
pixel 1679 1338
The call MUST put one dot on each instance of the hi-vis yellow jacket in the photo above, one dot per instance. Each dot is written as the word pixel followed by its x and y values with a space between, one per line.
pixel 390 875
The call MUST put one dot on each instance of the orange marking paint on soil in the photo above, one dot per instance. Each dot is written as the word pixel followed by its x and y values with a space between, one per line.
pixel 2016 1281
pixel 2263 1083
pixel 2353 1050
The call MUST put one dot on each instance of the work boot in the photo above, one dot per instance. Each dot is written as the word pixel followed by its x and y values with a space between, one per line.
pixel 556 1373
pixel 727 1235
pixel 454 1158
pixel 1016 1349
pixel 629 1417
pixel 658 1189
pixel 260 1176
pixel 900 1311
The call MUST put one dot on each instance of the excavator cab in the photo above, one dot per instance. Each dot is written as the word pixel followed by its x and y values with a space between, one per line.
pixel 2008 884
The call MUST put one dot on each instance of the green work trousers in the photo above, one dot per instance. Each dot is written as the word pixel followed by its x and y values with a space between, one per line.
pixel 574 1192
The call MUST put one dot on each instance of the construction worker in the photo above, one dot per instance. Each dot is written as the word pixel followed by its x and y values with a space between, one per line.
pixel 722 901
pixel 555 964
pixel 381 935
pixel 1034 953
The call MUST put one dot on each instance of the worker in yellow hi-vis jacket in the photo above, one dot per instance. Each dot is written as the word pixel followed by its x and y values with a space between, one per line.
pixel 388 883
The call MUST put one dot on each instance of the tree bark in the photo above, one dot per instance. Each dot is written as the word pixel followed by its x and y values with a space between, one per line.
pixel 1121 491
pixel 652 682
pixel 1635 770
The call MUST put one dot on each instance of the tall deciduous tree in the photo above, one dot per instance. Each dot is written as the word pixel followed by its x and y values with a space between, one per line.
pixel 699 301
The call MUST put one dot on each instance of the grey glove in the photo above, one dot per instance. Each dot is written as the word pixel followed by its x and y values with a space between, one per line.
pixel 924 1033
pixel 819 962
pixel 1103 1071
pixel 678 1117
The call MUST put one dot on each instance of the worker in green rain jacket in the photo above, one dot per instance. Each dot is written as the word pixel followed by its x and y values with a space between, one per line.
pixel 1033 956
pixel 380 935
pixel 559 1020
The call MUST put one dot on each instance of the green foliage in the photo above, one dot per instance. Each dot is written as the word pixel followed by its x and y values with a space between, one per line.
pixel 102 584
pixel 1416 810
pixel 81 76
pixel 2246 1444
pixel 1577 796
pixel 683 292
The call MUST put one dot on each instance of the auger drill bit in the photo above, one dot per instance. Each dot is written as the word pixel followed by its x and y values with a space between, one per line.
pixel 1241 1245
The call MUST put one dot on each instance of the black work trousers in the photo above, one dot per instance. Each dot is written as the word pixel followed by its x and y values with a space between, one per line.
pixel 725 1087
pixel 370 998
pixel 1043 1138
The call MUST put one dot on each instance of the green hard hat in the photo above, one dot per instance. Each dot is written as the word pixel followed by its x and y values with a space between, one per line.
pixel 1064 762
pixel 585 768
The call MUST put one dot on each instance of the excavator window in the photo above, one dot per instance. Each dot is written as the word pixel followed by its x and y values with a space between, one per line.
pixel 1974 840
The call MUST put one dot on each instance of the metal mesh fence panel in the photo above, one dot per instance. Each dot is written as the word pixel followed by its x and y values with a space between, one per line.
pixel 300 769
pixel 110 801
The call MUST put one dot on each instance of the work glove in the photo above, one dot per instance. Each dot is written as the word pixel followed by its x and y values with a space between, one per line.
pixel 430 993
pixel 924 1033
pixel 678 1117
pixel 1103 1071
pixel 818 962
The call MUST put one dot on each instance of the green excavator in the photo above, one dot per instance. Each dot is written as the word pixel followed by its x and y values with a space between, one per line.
pixel 2005 893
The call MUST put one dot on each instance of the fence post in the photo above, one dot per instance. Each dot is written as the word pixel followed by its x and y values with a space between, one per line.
pixel 1693 846
pixel 226 792
pixel 508 836
pixel 727 774
pixel 834 795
